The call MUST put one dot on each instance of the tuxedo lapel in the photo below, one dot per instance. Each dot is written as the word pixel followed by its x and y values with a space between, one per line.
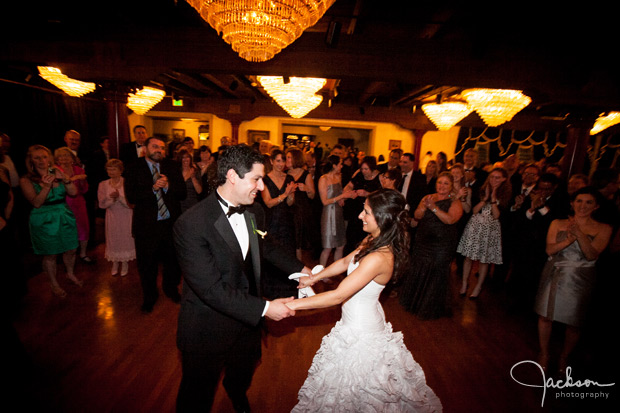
pixel 250 221
pixel 225 230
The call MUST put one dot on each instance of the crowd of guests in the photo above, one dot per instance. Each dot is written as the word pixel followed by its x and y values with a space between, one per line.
pixel 508 224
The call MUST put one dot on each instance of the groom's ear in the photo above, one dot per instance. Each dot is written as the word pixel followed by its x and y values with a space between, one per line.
pixel 232 176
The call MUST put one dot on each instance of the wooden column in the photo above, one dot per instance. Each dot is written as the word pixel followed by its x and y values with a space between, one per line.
pixel 576 149
pixel 117 120
pixel 418 134
pixel 234 139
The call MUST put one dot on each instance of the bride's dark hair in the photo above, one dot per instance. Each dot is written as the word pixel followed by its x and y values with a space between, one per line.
pixel 388 208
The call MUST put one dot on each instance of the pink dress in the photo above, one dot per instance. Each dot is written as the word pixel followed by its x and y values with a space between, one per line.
pixel 77 205
pixel 119 243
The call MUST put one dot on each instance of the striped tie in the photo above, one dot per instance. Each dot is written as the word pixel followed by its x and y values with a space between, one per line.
pixel 162 210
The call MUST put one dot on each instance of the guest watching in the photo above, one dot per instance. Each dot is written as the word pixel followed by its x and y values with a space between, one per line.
pixel 68 163
pixel 482 239
pixel 52 224
pixel 119 243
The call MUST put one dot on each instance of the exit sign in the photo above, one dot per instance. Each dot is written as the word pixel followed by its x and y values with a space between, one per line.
pixel 177 102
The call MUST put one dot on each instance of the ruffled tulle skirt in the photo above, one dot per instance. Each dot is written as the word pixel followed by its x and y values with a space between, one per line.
pixel 358 371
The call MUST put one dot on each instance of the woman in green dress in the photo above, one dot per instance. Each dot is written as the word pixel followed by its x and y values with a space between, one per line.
pixel 52 224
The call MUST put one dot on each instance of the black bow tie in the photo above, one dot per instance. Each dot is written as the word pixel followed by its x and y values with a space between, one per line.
pixel 231 209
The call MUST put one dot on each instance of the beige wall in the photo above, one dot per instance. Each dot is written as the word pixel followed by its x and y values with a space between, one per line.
pixel 379 137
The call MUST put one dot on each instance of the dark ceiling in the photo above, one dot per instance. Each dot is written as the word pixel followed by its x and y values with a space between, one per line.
pixel 385 59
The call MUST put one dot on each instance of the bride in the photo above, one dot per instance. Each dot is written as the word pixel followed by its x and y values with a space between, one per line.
pixel 362 365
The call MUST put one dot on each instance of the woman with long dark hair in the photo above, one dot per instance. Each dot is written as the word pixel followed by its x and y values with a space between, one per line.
pixel 362 364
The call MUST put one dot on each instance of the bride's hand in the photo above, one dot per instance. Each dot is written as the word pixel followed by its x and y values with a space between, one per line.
pixel 308 281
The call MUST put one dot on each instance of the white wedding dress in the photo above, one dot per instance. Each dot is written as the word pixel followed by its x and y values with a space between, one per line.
pixel 362 366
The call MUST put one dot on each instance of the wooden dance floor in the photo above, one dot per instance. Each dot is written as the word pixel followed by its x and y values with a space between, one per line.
pixel 94 351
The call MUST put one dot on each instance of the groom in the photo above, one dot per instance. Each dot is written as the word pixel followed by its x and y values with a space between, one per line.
pixel 220 248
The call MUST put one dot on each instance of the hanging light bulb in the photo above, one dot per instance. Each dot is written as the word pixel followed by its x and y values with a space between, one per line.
pixel 144 99
pixel 71 87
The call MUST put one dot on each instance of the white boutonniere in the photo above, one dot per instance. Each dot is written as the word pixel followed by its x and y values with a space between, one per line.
pixel 258 231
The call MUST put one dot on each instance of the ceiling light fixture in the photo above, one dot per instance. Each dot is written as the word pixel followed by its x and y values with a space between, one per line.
pixel 259 29
pixel 496 106
pixel 447 114
pixel 143 100
pixel 604 122
pixel 71 87
pixel 298 97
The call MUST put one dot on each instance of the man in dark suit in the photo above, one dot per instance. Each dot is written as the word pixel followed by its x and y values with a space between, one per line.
pixel 220 249
pixel 531 222
pixel 155 186
pixel 393 161
pixel 413 184
pixel 130 152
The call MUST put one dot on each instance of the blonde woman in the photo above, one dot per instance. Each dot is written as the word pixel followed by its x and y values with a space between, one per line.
pixel 68 162
pixel 52 224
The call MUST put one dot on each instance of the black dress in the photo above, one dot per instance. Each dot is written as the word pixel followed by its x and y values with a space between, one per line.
pixel 425 288
pixel 281 229
pixel 302 216
pixel 280 224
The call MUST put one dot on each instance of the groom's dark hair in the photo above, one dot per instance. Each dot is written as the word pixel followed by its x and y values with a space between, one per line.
pixel 241 158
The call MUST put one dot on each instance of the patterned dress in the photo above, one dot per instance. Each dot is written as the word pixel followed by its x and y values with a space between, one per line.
pixel 482 238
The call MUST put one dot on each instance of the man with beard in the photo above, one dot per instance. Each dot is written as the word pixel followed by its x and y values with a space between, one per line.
pixel 155 186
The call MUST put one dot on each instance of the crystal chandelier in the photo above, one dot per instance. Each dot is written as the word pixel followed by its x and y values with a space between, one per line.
pixel 259 29
pixel 604 122
pixel 143 100
pixel 447 114
pixel 496 106
pixel 298 96
pixel 71 87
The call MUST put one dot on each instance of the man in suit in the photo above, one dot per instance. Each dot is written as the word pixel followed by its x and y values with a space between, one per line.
pixel 155 186
pixel 393 161
pixel 220 247
pixel 413 185
pixel 531 222
pixel 130 152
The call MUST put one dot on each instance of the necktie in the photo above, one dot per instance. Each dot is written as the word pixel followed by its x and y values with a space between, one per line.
pixel 162 210
pixel 402 183
pixel 231 209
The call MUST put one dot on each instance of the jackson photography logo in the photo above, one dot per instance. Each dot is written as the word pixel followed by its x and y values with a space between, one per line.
pixel 567 387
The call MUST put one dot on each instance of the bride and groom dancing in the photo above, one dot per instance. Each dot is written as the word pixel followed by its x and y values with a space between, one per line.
pixel 220 247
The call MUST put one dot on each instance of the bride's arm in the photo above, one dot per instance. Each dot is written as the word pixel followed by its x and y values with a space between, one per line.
pixel 370 267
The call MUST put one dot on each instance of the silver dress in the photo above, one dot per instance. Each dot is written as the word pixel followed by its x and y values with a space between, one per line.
pixel 333 233
pixel 566 285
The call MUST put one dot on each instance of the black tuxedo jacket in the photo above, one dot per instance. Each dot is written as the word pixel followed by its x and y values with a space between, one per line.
pixel 416 191
pixel 139 192
pixel 127 153
pixel 217 308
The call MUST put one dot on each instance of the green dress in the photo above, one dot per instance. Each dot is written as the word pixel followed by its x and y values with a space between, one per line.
pixel 52 225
